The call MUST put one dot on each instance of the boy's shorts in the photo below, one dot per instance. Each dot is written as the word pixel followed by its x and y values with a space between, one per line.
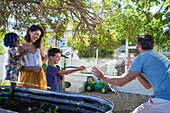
pixel 154 105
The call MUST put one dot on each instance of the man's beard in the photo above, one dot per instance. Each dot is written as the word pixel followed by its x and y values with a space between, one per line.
pixel 136 52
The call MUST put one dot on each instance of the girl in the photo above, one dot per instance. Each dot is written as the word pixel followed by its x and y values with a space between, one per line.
pixel 13 67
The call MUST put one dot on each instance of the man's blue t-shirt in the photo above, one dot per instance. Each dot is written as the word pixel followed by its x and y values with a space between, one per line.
pixel 156 69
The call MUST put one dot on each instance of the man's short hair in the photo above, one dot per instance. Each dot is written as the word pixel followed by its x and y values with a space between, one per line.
pixel 53 51
pixel 146 41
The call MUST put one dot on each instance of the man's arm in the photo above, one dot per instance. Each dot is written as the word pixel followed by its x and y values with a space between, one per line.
pixel 117 80
pixel 144 82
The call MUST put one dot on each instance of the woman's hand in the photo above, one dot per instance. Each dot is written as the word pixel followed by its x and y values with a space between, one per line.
pixel 36 69
pixel 96 72
pixel 50 48
pixel 31 68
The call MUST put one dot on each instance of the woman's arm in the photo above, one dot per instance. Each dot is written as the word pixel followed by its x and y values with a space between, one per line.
pixel 44 58
pixel 144 82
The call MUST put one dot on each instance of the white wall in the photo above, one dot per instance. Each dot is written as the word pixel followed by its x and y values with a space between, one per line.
pixel 3 62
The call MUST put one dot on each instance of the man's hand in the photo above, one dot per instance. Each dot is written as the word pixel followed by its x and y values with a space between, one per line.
pixel 96 72
pixel 128 61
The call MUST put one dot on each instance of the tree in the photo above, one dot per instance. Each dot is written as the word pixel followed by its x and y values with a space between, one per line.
pixel 103 25
pixel 125 21
pixel 49 14
pixel 153 22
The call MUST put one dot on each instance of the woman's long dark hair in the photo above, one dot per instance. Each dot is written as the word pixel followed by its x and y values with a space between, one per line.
pixel 34 28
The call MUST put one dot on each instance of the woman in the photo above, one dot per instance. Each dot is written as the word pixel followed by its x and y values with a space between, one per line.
pixel 33 75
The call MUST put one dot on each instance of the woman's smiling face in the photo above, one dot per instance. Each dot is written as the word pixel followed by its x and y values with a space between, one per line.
pixel 35 35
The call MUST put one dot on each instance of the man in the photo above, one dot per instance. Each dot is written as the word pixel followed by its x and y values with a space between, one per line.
pixel 152 69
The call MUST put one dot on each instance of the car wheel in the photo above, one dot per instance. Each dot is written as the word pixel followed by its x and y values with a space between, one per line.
pixel 88 87
pixel 104 90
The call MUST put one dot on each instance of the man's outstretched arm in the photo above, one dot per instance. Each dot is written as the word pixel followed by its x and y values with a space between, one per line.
pixel 117 80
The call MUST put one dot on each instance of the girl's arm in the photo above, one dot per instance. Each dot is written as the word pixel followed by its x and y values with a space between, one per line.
pixel 22 51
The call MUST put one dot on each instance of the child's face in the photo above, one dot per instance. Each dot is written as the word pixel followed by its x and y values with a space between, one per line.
pixel 16 44
pixel 56 58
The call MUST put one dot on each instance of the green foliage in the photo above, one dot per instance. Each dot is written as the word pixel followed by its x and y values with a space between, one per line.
pixel 26 14
pixel 8 99
pixel 38 110
pixel 2 49
pixel 53 15
pixel 1 84
pixel 41 110
pixel 124 21
pixel 103 25
pixel 2 34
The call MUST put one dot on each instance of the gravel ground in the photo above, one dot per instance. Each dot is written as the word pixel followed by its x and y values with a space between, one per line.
pixel 123 102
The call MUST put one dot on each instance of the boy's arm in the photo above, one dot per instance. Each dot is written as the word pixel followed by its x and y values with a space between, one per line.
pixel 66 72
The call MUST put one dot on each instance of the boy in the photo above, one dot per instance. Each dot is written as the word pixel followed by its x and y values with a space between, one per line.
pixel 54 74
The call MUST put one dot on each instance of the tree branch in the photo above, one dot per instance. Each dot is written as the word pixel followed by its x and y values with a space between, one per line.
pixel 27 1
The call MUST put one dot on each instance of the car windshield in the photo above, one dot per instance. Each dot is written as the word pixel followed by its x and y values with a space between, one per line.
pixel 95 78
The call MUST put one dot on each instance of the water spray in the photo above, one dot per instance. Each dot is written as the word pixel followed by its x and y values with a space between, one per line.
pixel 103 64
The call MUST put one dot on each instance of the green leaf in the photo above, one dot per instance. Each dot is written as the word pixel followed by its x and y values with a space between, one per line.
pixel 56 108
pixel 42 105
pixel 34 108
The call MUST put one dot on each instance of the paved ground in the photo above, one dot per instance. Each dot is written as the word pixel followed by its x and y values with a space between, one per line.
pixel 123 102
